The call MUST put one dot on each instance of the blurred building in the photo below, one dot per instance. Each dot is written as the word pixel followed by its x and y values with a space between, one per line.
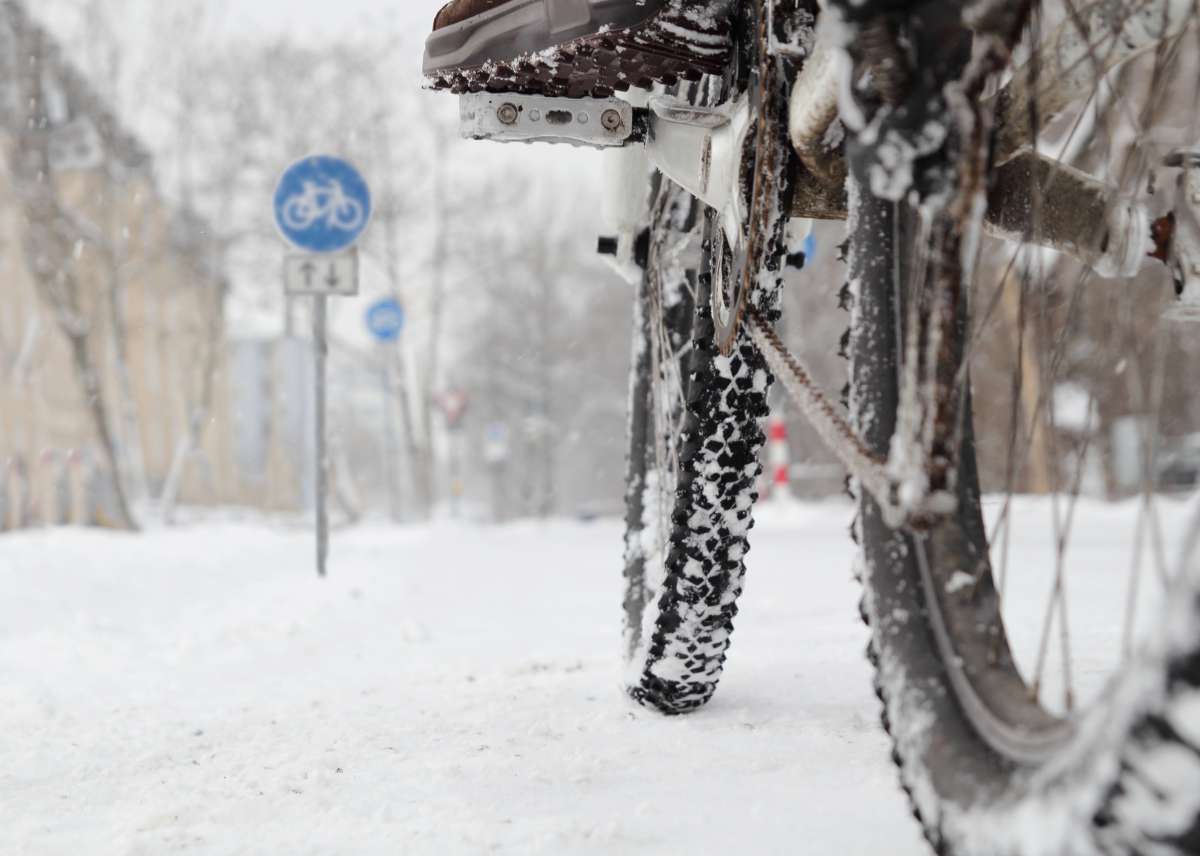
pixel 114 359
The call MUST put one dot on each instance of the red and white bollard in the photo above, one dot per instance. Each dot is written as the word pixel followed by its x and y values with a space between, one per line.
pixel 779 460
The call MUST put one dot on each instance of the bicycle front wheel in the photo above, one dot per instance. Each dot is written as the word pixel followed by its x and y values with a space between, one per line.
pixel 698 400
pixel 695 442
pixel 1038 651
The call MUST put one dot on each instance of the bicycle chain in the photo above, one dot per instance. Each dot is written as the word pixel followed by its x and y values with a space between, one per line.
pixel 766 187
pixel 834 428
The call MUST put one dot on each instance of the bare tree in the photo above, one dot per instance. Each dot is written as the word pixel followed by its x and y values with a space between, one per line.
pixel 544 349
pixel 56 234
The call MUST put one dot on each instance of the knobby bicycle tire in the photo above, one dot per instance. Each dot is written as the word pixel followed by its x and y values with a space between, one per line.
pixel 1124 778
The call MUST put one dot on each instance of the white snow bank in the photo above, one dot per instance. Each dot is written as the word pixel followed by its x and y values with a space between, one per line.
pixel 448 690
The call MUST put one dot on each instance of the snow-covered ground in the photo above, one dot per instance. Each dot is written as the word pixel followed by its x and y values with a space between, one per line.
pixel 450 689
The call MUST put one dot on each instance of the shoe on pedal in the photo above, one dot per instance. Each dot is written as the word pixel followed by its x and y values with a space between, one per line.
pixel 574 48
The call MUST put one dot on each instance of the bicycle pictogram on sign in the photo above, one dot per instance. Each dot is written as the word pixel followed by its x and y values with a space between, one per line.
pixel 322 204
pixel 326 204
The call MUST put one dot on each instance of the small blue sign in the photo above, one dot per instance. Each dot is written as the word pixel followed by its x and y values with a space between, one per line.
pixel 385 320
pixel 322 204
pixel 810 248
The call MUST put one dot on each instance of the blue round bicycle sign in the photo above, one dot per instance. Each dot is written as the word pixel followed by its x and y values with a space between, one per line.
pixel 322 204
pixel 386 319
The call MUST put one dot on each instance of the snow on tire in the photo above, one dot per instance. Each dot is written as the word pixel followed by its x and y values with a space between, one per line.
pixel 686 629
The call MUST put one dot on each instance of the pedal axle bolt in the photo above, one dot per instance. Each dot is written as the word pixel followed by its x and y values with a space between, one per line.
pixel 610 119
pixel 507 114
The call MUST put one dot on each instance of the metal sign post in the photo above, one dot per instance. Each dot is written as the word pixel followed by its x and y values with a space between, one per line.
pixel 385 322
pixel 320 359
pixel 495 453
pixel 322 207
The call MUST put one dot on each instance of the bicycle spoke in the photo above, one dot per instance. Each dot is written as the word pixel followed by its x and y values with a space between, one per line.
pixel 1043 359
pixel 673 210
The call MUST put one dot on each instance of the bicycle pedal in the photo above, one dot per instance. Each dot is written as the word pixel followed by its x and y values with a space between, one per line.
pixel 512 118
pixel 580 48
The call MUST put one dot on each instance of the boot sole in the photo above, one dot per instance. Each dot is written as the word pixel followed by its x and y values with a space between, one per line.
pixel 585 48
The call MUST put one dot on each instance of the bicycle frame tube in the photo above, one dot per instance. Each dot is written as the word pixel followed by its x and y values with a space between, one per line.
pixel 1035 200
pixel 701 150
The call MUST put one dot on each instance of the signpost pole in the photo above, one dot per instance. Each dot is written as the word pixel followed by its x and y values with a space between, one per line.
pixel 322 205
pixel 495 452
pixel 321 353
pixel 385 321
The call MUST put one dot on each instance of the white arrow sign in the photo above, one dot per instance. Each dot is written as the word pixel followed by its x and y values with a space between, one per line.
pixel 324 276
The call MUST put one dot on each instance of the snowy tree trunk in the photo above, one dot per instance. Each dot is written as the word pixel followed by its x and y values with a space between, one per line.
pixel 130 450
pixel 417 453
pixel 424 463
pixel 52 238
pixel 547 440
pixel 198 418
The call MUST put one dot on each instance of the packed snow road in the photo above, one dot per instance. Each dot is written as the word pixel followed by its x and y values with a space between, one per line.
pixel 447 690
pixel 450 689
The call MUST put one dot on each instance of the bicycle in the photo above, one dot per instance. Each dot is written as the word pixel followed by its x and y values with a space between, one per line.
pixel 919 123
pixel 327 204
